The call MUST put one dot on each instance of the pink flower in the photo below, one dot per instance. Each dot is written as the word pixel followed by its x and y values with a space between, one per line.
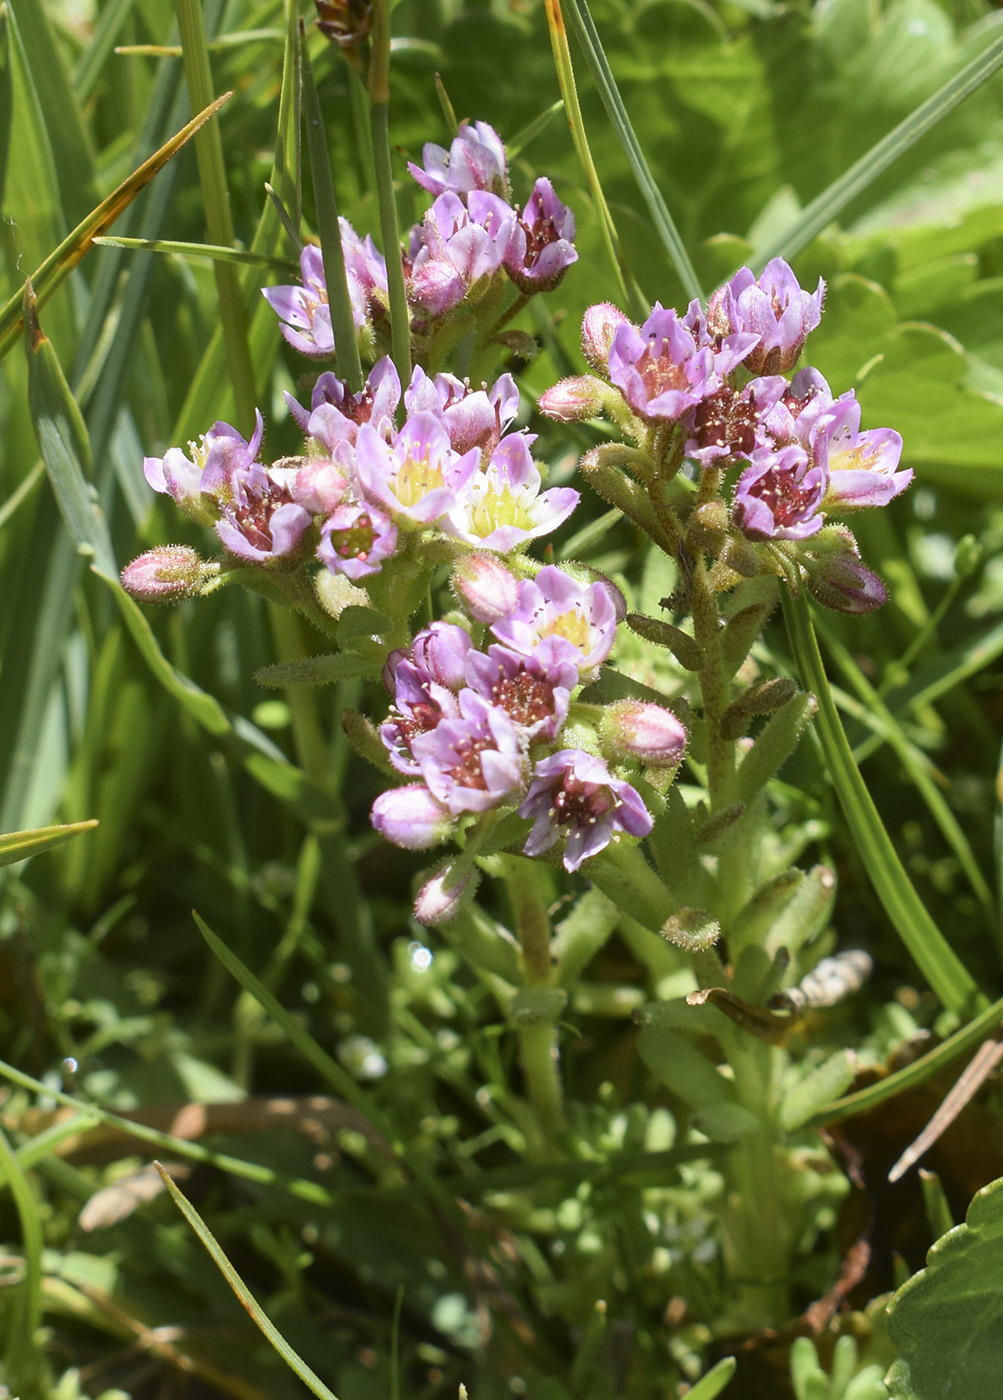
pixel 574 794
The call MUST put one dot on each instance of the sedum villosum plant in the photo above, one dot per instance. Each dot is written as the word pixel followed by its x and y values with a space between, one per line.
pixel 509 739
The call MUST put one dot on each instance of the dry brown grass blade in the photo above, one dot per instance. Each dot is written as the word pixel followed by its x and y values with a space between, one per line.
pixel 967 1084
pixel 61 262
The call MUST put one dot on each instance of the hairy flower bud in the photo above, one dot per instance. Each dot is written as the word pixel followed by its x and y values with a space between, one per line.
pixel 842 582
pixel 167 574
pixel 486 588
pixel 445 892
pixel 599 325
pixel 637 729
pixel 572 399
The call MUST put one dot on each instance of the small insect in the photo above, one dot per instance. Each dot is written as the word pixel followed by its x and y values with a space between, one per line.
pixel 833 979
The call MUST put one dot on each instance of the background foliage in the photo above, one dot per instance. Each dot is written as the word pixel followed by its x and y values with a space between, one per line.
pixel 253 812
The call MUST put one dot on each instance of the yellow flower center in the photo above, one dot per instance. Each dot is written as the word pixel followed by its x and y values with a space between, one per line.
pixel 571 625
pixel 496 508
pixel 416 477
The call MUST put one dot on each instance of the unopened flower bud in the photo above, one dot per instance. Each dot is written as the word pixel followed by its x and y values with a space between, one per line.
pixel 842 582
pixel 411 817
pixel 486 588
pixel 444 893
pixel 637 729
pixel 599 325
pixel 573 399
pixel 320 487
pixel 167 574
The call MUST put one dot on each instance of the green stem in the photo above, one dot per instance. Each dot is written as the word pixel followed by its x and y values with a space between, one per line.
pixel 379 125
pixel 537 1038
pixel 715 689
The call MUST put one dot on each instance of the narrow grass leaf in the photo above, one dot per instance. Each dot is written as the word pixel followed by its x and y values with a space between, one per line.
pixel 346 342
pixel 62 438
pixel 216 252
pixel 24 1358
pixel 219 223
pixel 586 34
pixel 260 1318
pixel 914 1074
pixel 328 1068
pixel 947 975
pixel 863 172
pixel 19 845
pixel 379 128
pixel 917 765
pixel 6 99
pixel 569 92
pixel 99 48
pixel 170 1146
pixel 60 263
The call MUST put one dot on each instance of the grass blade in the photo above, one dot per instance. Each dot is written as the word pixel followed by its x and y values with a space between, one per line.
pixel 258 1316
pixel 946 974
pixel 19 845
pixel 914 1074
pixel 24 1357
pixel 61 262
pixel 212 175
pixel 346 342
pixel 863 172
pixel 566 79
pixel 587 36
pixel 379 126
pixel 217 252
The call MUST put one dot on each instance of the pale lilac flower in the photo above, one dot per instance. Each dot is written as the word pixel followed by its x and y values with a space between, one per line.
pixel 420 705
pixel 411 817
pixel 471 417
pixel 304 310
pixel 575 795
pixel 486 588
pixel 729 425
pixel 555 605
pixel 503 506
pixel 778 496
pixel 774 308
pixel 419 477
pixel 665 368
pixel 862 466
pixel 475 161
pixel 355 539
pixel 440 651
pixel 166 574
pixel 335 413
pixel 644 732
pixel 459 254
pixel 260 521
pixel 206 474
pixel 472 763
pixel 542 245
pixel 534 691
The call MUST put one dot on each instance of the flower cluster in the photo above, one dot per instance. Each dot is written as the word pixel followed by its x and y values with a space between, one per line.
pixel 479 729
pixel 469 242
pixel 718 381
pixel 362 483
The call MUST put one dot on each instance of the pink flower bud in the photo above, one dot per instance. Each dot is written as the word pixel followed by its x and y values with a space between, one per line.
pixel 485 587
pixel 166 574
pixel 444 893
pixel 320 487
pixel 411 817
pixel 571 400
pixel 636 729
pixel 599 325
pixel 842 582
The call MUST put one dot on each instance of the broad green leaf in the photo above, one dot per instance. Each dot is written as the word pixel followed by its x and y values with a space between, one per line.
pixel 19 845
pixel 831 202
pixel 947 1321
